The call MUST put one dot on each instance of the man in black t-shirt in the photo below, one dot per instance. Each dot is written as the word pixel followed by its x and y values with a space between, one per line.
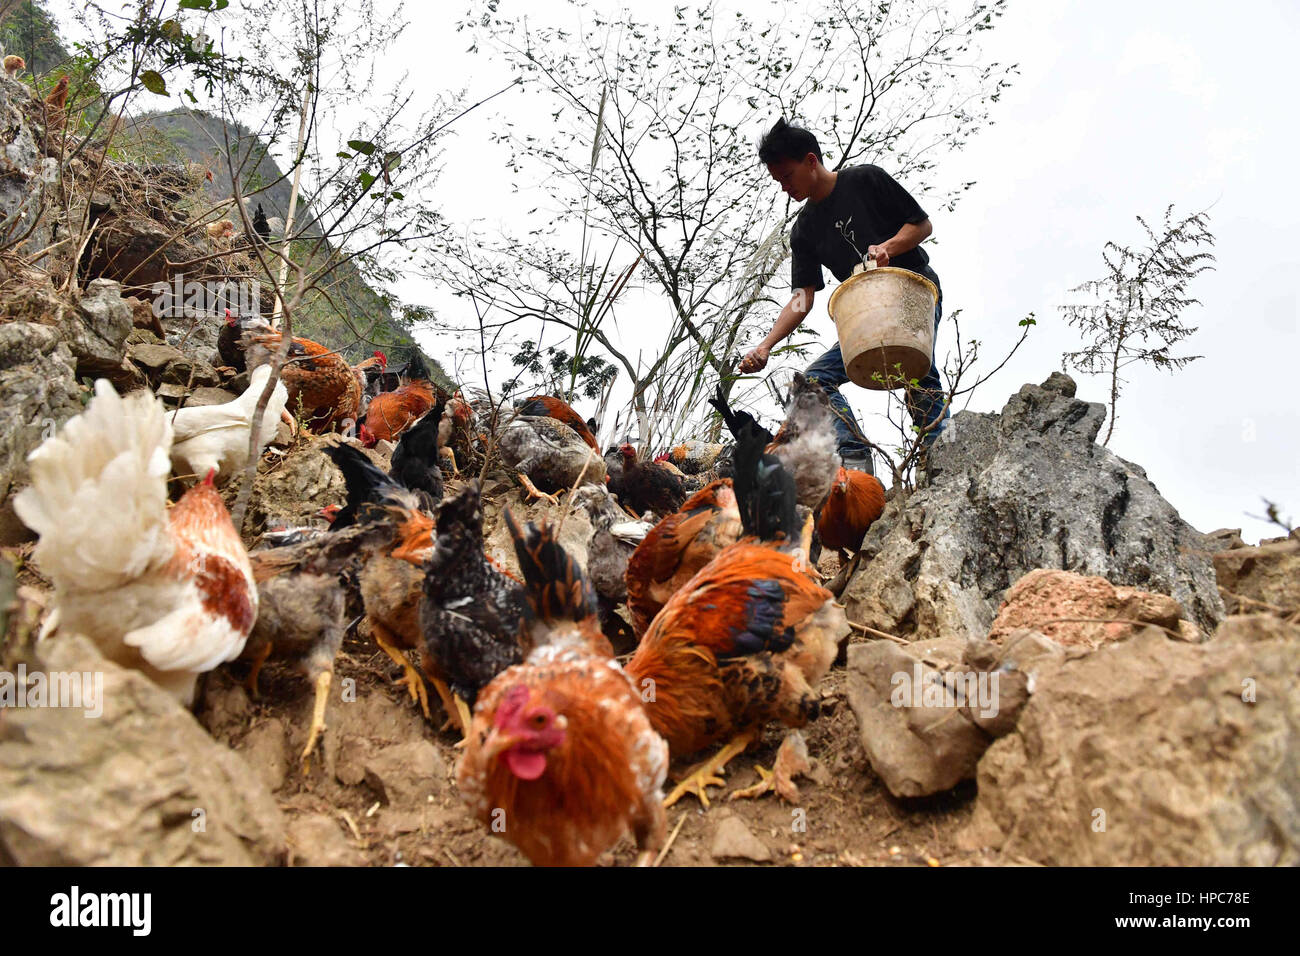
pixel 856 213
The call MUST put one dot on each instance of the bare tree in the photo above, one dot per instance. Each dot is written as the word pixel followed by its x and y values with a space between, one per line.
pixel 1134 312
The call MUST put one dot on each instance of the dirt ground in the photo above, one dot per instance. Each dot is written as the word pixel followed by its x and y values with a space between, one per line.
pixel 849 818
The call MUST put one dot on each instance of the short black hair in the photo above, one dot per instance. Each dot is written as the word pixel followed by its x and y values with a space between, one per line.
pixel 784 141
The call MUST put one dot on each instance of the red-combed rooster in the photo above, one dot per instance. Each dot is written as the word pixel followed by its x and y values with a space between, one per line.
pixel 679 546
pixel 167 593
pixel 746 640
pixel 560 750
pixel 391 413
pixel 545 405
pixel 318 379
pixel 856 500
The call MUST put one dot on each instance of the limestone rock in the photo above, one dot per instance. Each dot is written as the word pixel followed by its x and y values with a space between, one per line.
pixel 734 841
pixel 406 773
pixel 1154 752
pixel 1008 493
pixel 1269 573
pixel 141 785
pixel 317 839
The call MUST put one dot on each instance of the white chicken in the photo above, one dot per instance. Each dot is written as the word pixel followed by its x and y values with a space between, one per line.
pixel 215 437
pixel 167 593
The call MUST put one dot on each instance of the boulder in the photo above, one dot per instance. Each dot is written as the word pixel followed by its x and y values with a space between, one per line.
pixel 1263 578
pixel 141 785
pixel 1011 492
pixel 95 332
pixel 1154 752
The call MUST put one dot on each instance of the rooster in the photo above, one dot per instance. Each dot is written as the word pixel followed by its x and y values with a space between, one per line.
pixel 472 612
pixel 14 64
pixel 679 546
pixel 167 593
pixel 319 380
pixel 561 742
pixel 215 437
pixel 56 115
pixel 856 500
pixel 694 457
pixel 650 485
pixel 415 459
pixel 746 640
pixel 545 405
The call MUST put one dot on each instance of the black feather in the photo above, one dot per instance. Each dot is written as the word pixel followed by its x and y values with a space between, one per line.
pixel 366 484
pixel 415 459
pixel 557 588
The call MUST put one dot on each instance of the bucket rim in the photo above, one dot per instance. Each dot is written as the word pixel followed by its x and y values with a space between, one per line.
pixel 882 270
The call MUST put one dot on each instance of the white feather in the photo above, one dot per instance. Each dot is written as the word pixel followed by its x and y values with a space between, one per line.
pixel 216 436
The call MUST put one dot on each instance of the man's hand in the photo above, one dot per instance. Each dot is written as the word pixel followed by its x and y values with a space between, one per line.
pixel 879 254
pixel 756 360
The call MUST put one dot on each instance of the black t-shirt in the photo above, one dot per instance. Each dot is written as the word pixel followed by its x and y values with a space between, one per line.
pixel 866 207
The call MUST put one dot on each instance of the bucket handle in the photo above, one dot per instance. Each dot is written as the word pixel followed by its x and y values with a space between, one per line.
pixel 865 266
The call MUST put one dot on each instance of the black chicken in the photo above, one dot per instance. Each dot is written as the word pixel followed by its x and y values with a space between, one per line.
pixel 415 459
pixel 649 486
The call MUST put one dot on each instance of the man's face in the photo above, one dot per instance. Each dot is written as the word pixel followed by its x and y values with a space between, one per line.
pixel 795 176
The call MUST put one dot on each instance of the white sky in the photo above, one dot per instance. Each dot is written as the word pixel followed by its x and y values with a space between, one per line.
pixel 1120 108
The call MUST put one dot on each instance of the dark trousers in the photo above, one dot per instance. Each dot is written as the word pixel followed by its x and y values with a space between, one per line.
pixel 925 403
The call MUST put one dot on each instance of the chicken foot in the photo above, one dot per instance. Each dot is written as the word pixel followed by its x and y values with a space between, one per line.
pixel 534 492
pixel 791 761
pixel 707 774
pixel 412 679
pixel 259 658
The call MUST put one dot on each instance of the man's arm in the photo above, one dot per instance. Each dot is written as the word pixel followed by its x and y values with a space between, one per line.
pixel 908 238
pixel 795 311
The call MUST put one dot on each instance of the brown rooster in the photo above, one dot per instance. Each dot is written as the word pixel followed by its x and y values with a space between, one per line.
pixel 677 547
pixel 391 413
pixel 856 501
pixel 560 751
pixel 56 114
pixel 745 641
pixel 319 380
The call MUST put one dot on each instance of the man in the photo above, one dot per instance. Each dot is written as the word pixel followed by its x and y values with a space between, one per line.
pixel 856 213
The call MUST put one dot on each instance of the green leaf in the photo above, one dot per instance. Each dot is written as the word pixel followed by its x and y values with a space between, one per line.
pixel 153 82
pixel 391 161
pixel 343 155
pixel 397 195
pixel 367 180
pixel 196 4
pixel 365 147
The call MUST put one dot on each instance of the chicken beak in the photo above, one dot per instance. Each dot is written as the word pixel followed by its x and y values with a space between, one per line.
pixel 497 743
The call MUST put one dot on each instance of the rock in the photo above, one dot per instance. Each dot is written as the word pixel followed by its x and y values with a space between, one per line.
pixel 1269 573
pixel 25 183
pixel 1075 601
pixel 209 396
pixel 1224 538
pixel 96 331
pixel 142 785
pixel 350 765
pixel 38 393
pixel 1154 752
pixel 1009 493
pixel 574 536
pixel 152 359
pixel 406 773
pixel 915 745
pixel 191 373
pixel 263 749
pixel 143 318
pixel 317 839
pixel 733 841
pixel 303 483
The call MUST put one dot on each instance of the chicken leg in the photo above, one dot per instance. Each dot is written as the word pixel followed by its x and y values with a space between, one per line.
pixel 317 718
pixel 791 761
pixel 707 774
pixel 412 679
pixel 259 658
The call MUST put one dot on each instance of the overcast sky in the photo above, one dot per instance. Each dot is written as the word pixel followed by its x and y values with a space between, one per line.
pixel 1120 108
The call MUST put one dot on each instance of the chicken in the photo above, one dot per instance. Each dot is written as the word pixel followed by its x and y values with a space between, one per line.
pixel 390 413
pixel 548 455
pixel 544 405
pixel 14 64
pixel 222 229
pixel 472 612
pixel 649 486
pixel 856 500
pixel 167 593
pixel 560 749
pixel 318 379
pixel 261 228
pixel 746 640
pixel 415 459
pixel 679 546
pixel 695 457
pixel 304 599
pixel 805 443
pixel 614 539
pixel 216 437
